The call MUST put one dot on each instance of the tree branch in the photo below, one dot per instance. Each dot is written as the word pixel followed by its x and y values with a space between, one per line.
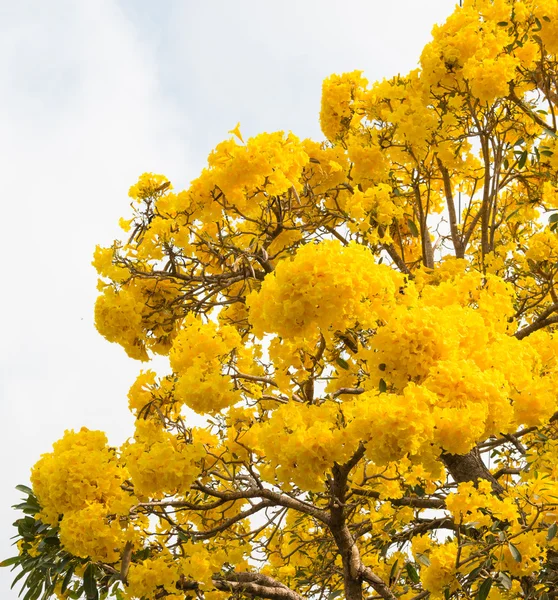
pixel 394 255
pixel 350 391
pixel 519 103
pixel 406 501
pixel 469 467
pixel 455 235
pixel 256 584
pixel 354 572
pixel 209 533
pixel 277 498
pixel 378 584
pixel 252 584
pixel 543 320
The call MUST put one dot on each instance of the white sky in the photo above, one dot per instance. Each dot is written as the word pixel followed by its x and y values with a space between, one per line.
pixel 95 93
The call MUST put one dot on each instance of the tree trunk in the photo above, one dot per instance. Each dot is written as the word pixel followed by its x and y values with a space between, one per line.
pixel 469 467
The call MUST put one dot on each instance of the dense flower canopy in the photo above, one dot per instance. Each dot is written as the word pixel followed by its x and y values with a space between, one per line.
pixel 366 330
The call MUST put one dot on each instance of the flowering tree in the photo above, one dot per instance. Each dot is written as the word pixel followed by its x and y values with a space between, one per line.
pixel 367 326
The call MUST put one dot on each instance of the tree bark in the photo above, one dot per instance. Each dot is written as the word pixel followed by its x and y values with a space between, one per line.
pixel 469 467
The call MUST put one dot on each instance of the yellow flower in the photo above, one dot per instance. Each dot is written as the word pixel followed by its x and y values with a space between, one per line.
pixel 236 132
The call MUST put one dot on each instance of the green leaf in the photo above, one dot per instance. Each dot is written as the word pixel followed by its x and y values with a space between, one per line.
pixel 484 589
pixel 504 579
pixel 335 594
pixel 383 386
pixel 516 554
pixel 522 160
pixel 24 489
pixel 547 19
pixel 419 491
pixel 413 228
pixel 519 142
pixel 553 218
pixel 544 596
pixel 18 577
pixel 423 559
pixel 552 532
pixel 342 363
pixel 412 573
pixel 512 214
pixel 77 593
pixel 67 579
pixel 183 536
pixel 34 592
pixel 393 571
pixel 502 23
pixel 89 583
pixel 30 505
pixel 10 561
pixel 472 576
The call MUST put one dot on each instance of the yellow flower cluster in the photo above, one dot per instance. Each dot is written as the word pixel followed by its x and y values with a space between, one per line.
pixel 118 319
pixel 145 579
pixel 327 166
pixel 478 505
pixel 404 100
pixel 489 77
pixel 91 532
pixel 301 442
pixel 550 195
pixel 413 341
pixel 531 547
pixel 140 393
pixel 471 46
pixel 342 97
pixel 159 462
pixel 392 425
pixel 197 357
pixel 440 574
pixel 268 165
pixel 80 470
pixel 201 561
pixel 105 267
pixel 148 186
pixel 543 246
pixel 81 483
pixel 197 562
pixel 368 161
pixel 481 380
pixel 138 316
pixel 375 206
pixel 325 288
pixel 546 12
pixel 470 400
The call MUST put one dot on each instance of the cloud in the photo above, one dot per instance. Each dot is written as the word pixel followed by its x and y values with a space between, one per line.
pixel 263 63
pixel 82 115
